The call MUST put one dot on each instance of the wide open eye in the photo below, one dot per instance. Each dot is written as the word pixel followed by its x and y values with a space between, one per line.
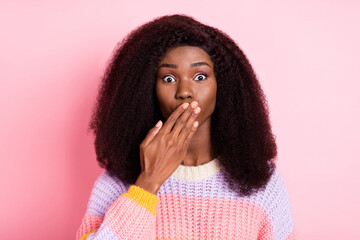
pixel 200 77
pixel 168 79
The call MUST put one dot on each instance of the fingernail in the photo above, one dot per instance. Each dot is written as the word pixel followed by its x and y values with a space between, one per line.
pixel 185 105
pixel 196 123
pixel 194 104
pixel 158 123
pixel 197 110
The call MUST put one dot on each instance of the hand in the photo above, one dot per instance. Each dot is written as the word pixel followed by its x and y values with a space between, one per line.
pixel 165 147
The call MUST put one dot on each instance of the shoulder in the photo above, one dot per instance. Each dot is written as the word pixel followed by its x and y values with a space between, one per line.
pixel 276 185
pixel 274 190
pixel 274 194
pixel 105 191
pixel 274 199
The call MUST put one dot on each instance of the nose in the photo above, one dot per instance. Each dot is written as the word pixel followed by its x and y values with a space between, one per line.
pixel 184 90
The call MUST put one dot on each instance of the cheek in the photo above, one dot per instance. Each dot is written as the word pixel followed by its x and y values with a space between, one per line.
pixel 160 94
pixel 211 97
pixel 163 99
pixel 212 104
pixel 209 103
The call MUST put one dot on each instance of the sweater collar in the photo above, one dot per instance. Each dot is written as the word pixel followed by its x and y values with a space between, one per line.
pixel 196 173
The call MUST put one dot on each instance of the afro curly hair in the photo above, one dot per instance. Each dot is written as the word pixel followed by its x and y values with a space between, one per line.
pixel 127 106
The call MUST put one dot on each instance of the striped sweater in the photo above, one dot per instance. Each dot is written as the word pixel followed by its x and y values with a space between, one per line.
pixel 193 203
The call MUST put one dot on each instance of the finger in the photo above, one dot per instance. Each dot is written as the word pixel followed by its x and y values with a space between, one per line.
pixel 174 117
pixel 151 134
pixel 186 130
pixel 183 123
pixel 188 138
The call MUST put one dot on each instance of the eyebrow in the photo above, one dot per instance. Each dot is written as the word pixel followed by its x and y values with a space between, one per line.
pixel 191 65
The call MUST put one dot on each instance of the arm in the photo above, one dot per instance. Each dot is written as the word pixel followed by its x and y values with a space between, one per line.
pixel 116 213
pixel 278 222
pixel 132 215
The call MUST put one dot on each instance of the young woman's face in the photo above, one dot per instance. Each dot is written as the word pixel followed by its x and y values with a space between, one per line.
pixel 186 74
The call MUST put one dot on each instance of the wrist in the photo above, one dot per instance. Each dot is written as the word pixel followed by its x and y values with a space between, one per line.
pixel 147 183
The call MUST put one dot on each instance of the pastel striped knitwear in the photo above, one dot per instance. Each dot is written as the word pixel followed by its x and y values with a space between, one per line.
pixel 193 203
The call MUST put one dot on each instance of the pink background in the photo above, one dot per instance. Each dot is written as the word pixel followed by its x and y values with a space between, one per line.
pixel 52 56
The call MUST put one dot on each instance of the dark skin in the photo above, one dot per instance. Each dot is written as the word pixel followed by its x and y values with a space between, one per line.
pixel 186 91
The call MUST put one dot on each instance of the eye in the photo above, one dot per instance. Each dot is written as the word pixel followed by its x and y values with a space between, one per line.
pixel 168 79
pixel 200 77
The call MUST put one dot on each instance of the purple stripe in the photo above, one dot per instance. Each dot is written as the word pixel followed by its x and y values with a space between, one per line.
pixel 106 190
pixel 103 233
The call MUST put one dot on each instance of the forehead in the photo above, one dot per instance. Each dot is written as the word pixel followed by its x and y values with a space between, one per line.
pixel 186 54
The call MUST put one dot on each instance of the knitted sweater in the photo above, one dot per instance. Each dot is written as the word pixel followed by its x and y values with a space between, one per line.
pixel 193 203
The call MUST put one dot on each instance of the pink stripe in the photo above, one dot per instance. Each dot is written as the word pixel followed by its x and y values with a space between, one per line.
pixel 292 235
pixel 88 223
pixel 124 217
pixel 266 230
pixel 221 217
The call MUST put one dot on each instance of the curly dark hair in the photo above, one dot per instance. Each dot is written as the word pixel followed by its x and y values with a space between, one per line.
pixel 127 106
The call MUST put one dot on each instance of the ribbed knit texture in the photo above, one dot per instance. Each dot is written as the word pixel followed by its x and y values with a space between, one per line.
pixel 194 203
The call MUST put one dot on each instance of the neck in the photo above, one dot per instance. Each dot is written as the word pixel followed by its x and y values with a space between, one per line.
pixel 200 150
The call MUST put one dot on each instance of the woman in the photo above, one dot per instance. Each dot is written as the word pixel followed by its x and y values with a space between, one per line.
pixel 182 128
